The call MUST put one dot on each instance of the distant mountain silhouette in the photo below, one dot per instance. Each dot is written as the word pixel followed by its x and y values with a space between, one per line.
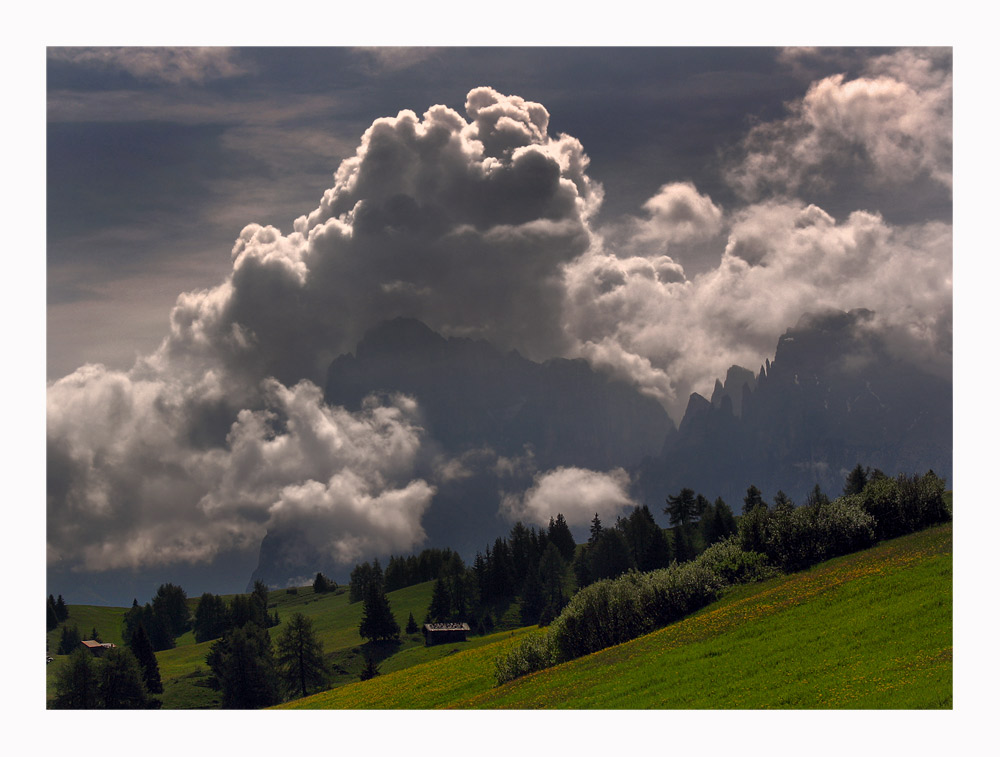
pixel 834 396
pixel 474 397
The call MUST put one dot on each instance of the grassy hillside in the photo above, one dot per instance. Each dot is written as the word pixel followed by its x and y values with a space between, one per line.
pixel 185 674
pixel 868 630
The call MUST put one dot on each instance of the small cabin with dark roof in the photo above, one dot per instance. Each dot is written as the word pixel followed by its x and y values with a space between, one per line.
pixel 445 633
pixel 97 648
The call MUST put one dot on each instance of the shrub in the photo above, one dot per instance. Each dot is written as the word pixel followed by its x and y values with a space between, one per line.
pixel 904 504
pixel 794 538
pixel 534 653
pixel 613 611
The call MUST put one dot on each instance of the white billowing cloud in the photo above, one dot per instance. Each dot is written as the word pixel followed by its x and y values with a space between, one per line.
pixel 577 493
pixel 480 225
pixel 464 225
pixel 219 434
pixel 130 486
pixel 890 126
pixel 782 259
pixel 681 227
pixel 175 65
pixel 678 213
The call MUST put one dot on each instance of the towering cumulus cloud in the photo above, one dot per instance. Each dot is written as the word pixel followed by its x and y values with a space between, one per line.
pixel 222 433
pixel 485 225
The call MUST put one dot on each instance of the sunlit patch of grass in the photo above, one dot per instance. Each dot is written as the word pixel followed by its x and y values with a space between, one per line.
pixel 868 630
pixel 449 676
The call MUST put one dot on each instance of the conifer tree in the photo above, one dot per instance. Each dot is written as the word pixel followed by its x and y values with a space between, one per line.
pixel 532 599
pixel 856 480
pixel 681 507
pixel 377 621
pixel 440 607
pixel 62 611
pixel 119 681
pixel 300 656
pixel 69 642
pixel 782 503
pixel 242 663
pixel 816 497
pixel 595 530
pixel 560 535
pixel 171 611
pixel 142 648
pixel 551 569
pixel 683 549
pixel 609 557
pixel 211 618
pixel 752 499
pixel 51 619
pixel 411 625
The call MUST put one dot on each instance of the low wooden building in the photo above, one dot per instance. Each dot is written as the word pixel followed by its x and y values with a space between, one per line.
pixel 97 648
pixel 445 633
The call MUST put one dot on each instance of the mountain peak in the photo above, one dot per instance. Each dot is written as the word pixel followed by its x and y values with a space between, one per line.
pixel 400 336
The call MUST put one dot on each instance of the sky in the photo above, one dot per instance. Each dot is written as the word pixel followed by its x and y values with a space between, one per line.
pixel 223 222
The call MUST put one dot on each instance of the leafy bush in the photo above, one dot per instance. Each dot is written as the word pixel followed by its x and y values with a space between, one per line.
pixel 794 538
pixel 904 504
pixel 613 611
pixel 534 653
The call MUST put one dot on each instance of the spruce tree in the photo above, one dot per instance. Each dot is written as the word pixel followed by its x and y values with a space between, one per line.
pixel 595 530
pixel 69 642
pixel 119 681
pixel 242 663
pixel 300 656
pixel 552 570
pixel 752 499
pixel 609 557
pixel 171 611
pixel 782 503
pixel 856 480
pixel 683 549
pixel 532 599
pixel 411 625
pixel 211 618
pixel 440 607
pixel 377 621
pixel 62 611
pixel 560 535
pixel 51 619
pixel 142 648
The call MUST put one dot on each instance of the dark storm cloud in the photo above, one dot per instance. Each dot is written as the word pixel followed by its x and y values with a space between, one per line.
pixel 483 219
pixel 464 223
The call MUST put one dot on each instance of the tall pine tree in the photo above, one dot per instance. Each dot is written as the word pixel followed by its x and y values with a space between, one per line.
pixel 142 648
pixel 377 621
pixel 300 656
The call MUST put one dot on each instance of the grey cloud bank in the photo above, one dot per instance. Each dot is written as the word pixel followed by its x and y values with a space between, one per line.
pixel 490 226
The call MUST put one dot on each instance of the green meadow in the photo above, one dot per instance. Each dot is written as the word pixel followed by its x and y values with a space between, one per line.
pixel 869 630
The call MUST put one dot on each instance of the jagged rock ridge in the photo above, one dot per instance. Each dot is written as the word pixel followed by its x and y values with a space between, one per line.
pixel 834 396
